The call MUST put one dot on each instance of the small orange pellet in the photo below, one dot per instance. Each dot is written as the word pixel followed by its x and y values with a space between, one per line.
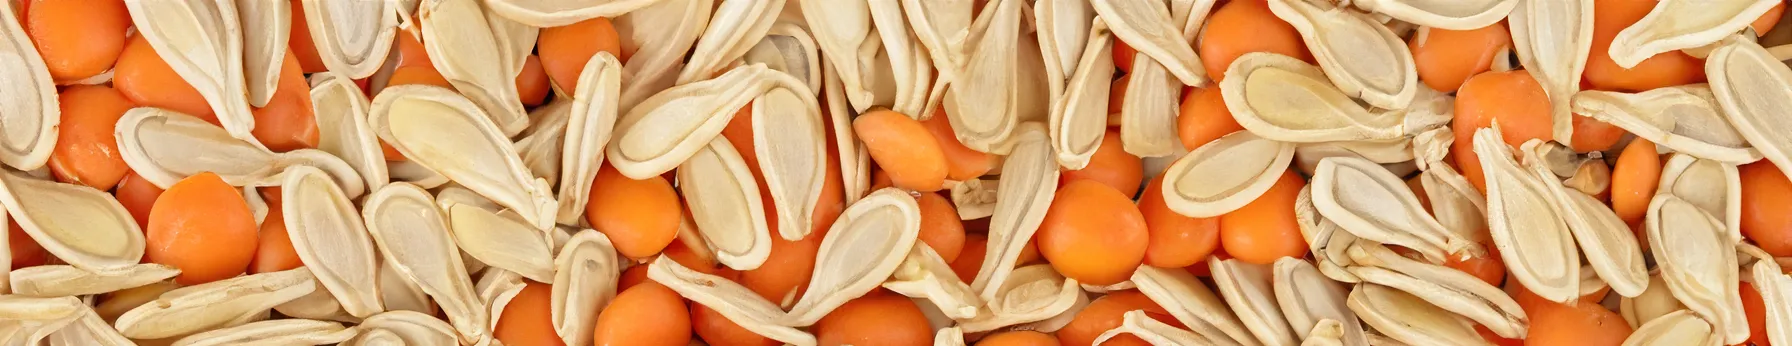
pixel 1594 135
pixel 1662 70
pixel 962 162
pixel 640 216
pixel 288 121
pixel 411 51
pixel 1093 234
pixel 77 38
pixel 299 41
pixel 1265 229
pixel 634 275
pixel 878 318
pixel 785 274
pixel 1489 269
pixel 689 258
pixel 717 330
pixel 1576 324
pixel 86 153
pixel 26 252
pixel 1637 174
pixel 1768 20
pixel 1445 58
pixel 1117 95
pixel 201 226
pixel 1514 99
pixel 1175 240
pixel 1246 26
pixel 940 227
pixel 1019 338
pixel 138 196
pixel 528 319
pixel 971 259
pixel 1111 165
pixel 903 148
pixel 1756 310
pixel 532 82
pixel 565 49
pixel 1106 313
pixel 275 253
pixel 147 80
pixel 1204 118
pixel 423 75
pixel 647 314
pixel 1766 207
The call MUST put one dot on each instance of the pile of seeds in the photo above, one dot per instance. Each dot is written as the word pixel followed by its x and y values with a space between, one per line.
pixel 895 172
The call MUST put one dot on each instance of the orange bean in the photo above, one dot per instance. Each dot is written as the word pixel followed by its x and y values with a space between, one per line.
pixel 1175 240
pixel 78 38
pixel 1514 99
pixel 1019 338
pixel 26 252
pixel 565 49
pixel 288 122
pixel 1117 95
pixel 1767 207
pixel 689 258
pixel 1093 234
pixel 903 148
pixel 1106 313
pixel 1123 56
pixel 1594 135
pixel 138 196
pixel 640 216
pixel 528 319
pixel 962 163
pixel 148 81
pixel 940 227
pixel 532 83
pixel 423 75
pixel 646 314
pixel 411 51
pixel 1662 70
pixel 1265 229
pixel 275 252
pixel 1445 58
pixel 86 153
pixel 1489 269
pixel 203 227
pixel 717 330
pixel 1634 179
pixel 1768 20
pixel 878 318
pixel 1112 166
pixel 1204 117
pixel 299 41
pixel 1245 26
pixel 785 274
pixel 1578 324
pixel 971 258
pixel 1756 310
pixel 634 275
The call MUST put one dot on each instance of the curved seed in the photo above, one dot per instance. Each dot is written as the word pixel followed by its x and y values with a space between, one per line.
pixel 413 237
pixel 265 26
pixel 32 107
pixel 317 305
pixel 502 242
pixel 909 65
pixel 662 34
pixel 733 301
pixel 1029 181
pixel 1537 246
pixel 984 99
pixel 165 146
pixel 1684 118
pixel 887 221
pixel 1373 204
pixel 788 47
pixel 1608 243
pixel 1697 263
pixel 541 144
pixel 89 329
pixel 1148 27
pixel 416 174
pixel 552 13
pixel 463 46
pixel 84 227
pixel 216 304
pixel 1246 288
pixel 496 287
pixel 62 280
pixel 1149 107
pixel 671 126
pixel 28 321
pixel 1453 15
pixel 924 275
pixel 1308 298
pixel 1394 155
pixel 975 198
pixel 1451 289
pixel 1455 203
pixel 1776 299
pixel 792 153
pixel 341 115
pixel 402 327
pixel 199 41
pixel 1034 296
pixel 515 40
pixel 352 37
pixel 1678 328
pixel 1225 174
pixel 735 28
pixel 1281 98
pixel 1750 86
pixel 944 27
pixel 949 336
pixel 1362 57
pixel 1655 301
pixel 585 277
pixel 1552 39
pixel 840 28
pixel 1187 299
pixel 1714 187
pixel 1063 31
pixel 1138 324
pixel 398 292
pixel 587 132
pixel 855 161
pixel 1680 24
pixel 1079 115
pixel 329 235
pixel 1408 319
pixel 725 206
pixel 271 332
pixel 444 132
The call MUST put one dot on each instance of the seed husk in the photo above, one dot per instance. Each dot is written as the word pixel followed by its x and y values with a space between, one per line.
pixel 669 127
pixel 788 47
pixel 353 37
pixel 413 237
pixel 84 227
pixel 1282 98
pixel 165 146
pixel 89 329
pixel 516 40
pixel 1137 323
pixel 585 277
pixel 1408 319
pixel 283 332
pixel 1610 247
pixel 1451 289
pixel 1455 203
pixel 840 28
pixel 1697 263
pixel 1308 298
pixel 1152 101
pixel 733 301
pixel 1683 118
pixel 401 327
pixel 29 320
pixel 734 28
pixel 551 13
pixel 444 132
pixel 944 27
pixel 855 161
pixel 725 206
pixel 1773 286
pixel 64 280
pixel 1714 187
pixel 1063 31
pixel 1553 39
pixel 465 49
pixel 265 27
pixel 1538 248
pixel 589 123
pixel 662 33
pixel 501 242
pixel 1148 27
pixel 1029 182
pixel 1226 174
pixel 1356 194
pixel 328 234
pixel 1453 15
pixel 1078 114
pixel 1363 58
pixel 33 109
pixel 924 274
pixel 341 115
pixel 887 220
pixel 984 99
pixel 1680 327
pixel 908 62
pixel 223 303
pixel 1246 288
pixel 1033 297
pixel 201 42
pixel 1748 84
pixel 792 155
pixel 1680 24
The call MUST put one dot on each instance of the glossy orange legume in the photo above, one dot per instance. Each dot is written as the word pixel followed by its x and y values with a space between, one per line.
pixel 1117 95
pixel 1204 118
pixel 1018 338
pixel 86 153
pixel 423 75
pixel 565 49
pixel 940 227
pixel 785 274
pixel 288 122
pixel 1093 234
pixel 299 41
pixel 689 258
pixel 875 319
pixel 78 38
pixel 1577 324
pixel 1756 310
pixel 138 196
pixel 1445 58
pixel 1175 240
pixel 528 319
pixel 976 245
pixel 962 163
pixel 1768 20
pixel 1106 313
pixel 640 216
pixel 1634 179
pixel 903 148
pixel 1112 166
pixel 1245 26
pixel 275 251
pixel 1265 229
pixel 532 82
pixel 147 80
pixel 203 227
pixel 1123 56
pixel 1767 207
pixel 25 251
pixel 647 314
pixel 634 275
pixel 717 330
pixel 1489 269
pixel 1662 70
pixel 1513 99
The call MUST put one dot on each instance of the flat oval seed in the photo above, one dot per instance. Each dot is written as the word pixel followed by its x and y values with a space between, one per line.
pixel 1063 31
pixel 1247 288
pixel 1678 328
pixel 1698 263
pixel 199 41
pixel 1308 298
pixel 1078 117
pixel 1360 55
pixel 1187 299
pixel 588 128
pixel 413 237
pixel 216 304
pixel 788 47
pixel 89 329
pixel 1408 319
pixel 662 33
pixel 444 132
pixel 585 277
pixel 62 280
pixel 341 114
pixel 1152 101
pixel 790 147
pixel 1455 203
pixel 1681 24
pixel 944 27
pixel 733 301
pixel 1655 301
pixel 1537 246
pixel 270 332
pixel 403 327
pixel 540 145
pixel 552 13
pixel 329 235
pixel 1224 175
pixel 1610 247
pixel 1713 186
pixel 84 227
pixel 1453 15
pixel 983 98
pixel 924 275
pixel 352 37
pixel 1752 88
pixel 1448 288
pixel 664 130
pixel 1033 294
pixel 733 29
pixel 1137 323
pixel 1774 286
pixel 1029 182
pixel 725 205
pixel 1282 98
pixel 862 249
pixel 502 242
pixel 164 146
pixel 840 28
pixel 1148 27
pixel 1553 39
pixel 1683 118
pixel 33 112
pixel 463 48
pixel 265 26
pixel 496 287
pixel 1373 204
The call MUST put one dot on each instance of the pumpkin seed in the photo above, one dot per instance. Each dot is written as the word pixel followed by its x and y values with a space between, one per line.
pixel 1683 118
pixel 787 134
pixel 736 26
pixel 788 47
pixel 975 198
pixel 1282 98
pixel 551 13
pixel 213 305
pixel 733 301
pixel 1308 298
pixel 1394 155
pixel 1408 319
pixel 265 27
pixel 284 332
pixel 1246 287
pixel 661 34
pixel 201 41
pixel 1150 105
pixel 724 204
pixel 84 227
pixel 1077 114
pixel 1033 294
pixel 1452 15
pixel 89 329
pixel 444 132
pixel 416 174
pixel 841 28
pixel 951 336
pixel 923 274
pixel 585 277
pixel 28 320
pixel 855 161
pixel 1363 58
pixel 1451 289
pixel 1137 323
pixel 1655 301
pixel 1714 187
pixel 671 126
pixel 502 242
pixel 317 305
pixel 341 115
pixel 354 37
pixel 909 64
pixel 63 280
pixel 1356 194
pixel 1029 182
pixel 1592 178
pixel 329 235
pixel 1552 39
pixel 465 49
pixel 401 327
pixel 515 40
pixel 1773 286
pixel 1455 203
pixel 1537 245
pixel 1745 81
pixel 1697 263
pixel 541 144
pixel 1677 328
pixel 164 146
pixel 496 287
pixel 413 237
pixel 1225 174
pixel 397 292
pixel 888 221
pixel 1679 24
pixel 589 122
pixel 944 27
pixel 1610 247
pixel 1063 31
pixel 1148 27
pixel 984 100
pixel 32 105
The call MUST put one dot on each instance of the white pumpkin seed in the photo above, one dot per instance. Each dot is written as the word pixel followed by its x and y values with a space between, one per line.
pixel 216 304
pixel 1678 328
pixel 1247 289
pixel 414 239
pixel 1683 118
pixel 1282 98
pixel 585 277
pixel 1408 319
pixel 551 13
pixel 1538 248
pixel 792 153
pixel 84 227
pixel 541 144
pixel 1029 182
pixel 165 146
pixel 445 132
pixel 735 28
pixel 1033 294
pixel 1224 175
pixel 516 41
pixel 660 35
pixel 888 221
pixel 1147 26
pixel 909 64
pixel 1447 288
pixel 725 206
pixel 33 110
pixel 265 26
pixel 855 161
pixel 1607 241
pixel 502 242
pixel 590 120
pixel 1363 58
pixel 788 47
pixel 1063 28
pixel 353 37
pixel 1453 15
pixel 1552 39
pixel 733 301
pixel 944 27
pixel 1747 83
pixel 1776 300
pixel 1307 298
pixel 1714 187
pixel 984 100
pixel 1679 24
pixel 671 126
pixel 341 115
pixel 464 48
pixel 28 320
pixel 200 41
pixel 1697 261
pixel 328 234
pixel 1078 115
pixel 1373 204
pixel 282 332
pixel 63 280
